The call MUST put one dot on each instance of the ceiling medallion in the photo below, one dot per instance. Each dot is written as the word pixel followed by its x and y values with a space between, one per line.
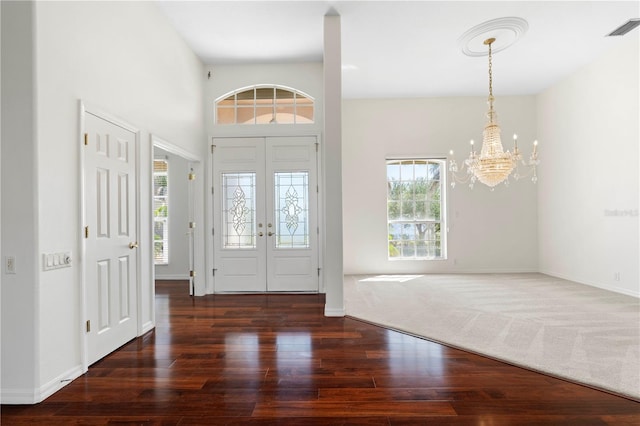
pixel 506 31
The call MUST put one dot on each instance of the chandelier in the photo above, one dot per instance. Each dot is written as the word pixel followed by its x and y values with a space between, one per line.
pixel 493 165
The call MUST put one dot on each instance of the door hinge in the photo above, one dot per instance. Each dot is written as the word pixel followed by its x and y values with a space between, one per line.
pixel 212 148
pixel 88 326
pixel 86 232
pixel 212 190
pixel 192 225
pixel 317 146
pixel 213 231
pixel 214 271
pixel 192 274
pixel 317 189
pixel 318 271
pixel 318 230
pixel 86 138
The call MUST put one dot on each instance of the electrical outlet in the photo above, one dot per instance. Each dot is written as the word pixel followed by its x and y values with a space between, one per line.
pixel 10 264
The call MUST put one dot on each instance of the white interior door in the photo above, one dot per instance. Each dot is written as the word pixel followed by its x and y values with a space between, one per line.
pixel 111 236
pixel 265 214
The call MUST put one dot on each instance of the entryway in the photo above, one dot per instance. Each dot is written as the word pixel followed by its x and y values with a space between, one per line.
pixel 265 213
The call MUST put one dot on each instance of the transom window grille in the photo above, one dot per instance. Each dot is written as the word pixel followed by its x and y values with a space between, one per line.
pixel 265 105
pixel 415 209
pixel 292 209
pixel 160 212
pixel 239 210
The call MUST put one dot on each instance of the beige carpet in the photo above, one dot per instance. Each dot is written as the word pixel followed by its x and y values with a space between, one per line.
pixel 559 327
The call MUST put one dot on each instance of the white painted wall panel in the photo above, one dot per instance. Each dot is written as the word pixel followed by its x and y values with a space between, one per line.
pixel 590 170
pixel 488 231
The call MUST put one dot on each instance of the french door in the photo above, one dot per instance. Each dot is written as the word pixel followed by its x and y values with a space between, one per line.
pixel 265 205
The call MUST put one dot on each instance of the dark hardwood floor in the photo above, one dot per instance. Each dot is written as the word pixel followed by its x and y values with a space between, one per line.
pixel 275 359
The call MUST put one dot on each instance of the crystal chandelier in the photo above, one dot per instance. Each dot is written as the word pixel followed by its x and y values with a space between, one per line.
pixel 493 165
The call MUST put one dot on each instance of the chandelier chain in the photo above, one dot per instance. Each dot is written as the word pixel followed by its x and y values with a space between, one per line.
pixel 490 73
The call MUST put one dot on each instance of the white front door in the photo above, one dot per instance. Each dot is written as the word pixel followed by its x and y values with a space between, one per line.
pixel 265 214
pixel 110 236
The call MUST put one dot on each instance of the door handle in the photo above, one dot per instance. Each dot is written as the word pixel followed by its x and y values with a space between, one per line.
pixel 133 245
pixel 260 234
pixel 270 233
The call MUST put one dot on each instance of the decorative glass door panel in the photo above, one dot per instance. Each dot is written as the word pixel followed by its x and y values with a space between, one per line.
pixel 292 209
pixel 239 210
pixel 265 214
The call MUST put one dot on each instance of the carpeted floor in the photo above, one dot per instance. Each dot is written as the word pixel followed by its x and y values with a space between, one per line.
pixel 569 330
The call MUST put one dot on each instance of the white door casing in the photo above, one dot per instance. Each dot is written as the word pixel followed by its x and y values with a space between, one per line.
pixel 111 236
pixel 265 214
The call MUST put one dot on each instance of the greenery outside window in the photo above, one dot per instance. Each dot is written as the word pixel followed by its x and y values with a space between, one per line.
pixel 415 209
pixel 160 212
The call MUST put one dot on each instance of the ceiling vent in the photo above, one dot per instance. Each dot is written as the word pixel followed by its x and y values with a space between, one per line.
pixel 625 28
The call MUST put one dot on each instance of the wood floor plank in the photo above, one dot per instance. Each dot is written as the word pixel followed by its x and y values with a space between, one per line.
pixel 277 360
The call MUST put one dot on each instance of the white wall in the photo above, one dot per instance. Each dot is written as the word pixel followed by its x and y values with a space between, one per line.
pixel 178 223
pixel 126 59
pixel 19 345
pixel 489 231
pixel 589 123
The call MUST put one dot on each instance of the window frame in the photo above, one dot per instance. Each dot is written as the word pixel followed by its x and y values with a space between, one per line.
pixel 236 102
pixel 163 260
pixel 440 235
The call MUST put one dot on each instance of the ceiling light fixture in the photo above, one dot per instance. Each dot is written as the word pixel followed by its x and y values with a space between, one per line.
pixel 493 165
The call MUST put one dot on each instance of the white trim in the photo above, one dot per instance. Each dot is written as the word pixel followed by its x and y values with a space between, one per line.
pixel 328 312
pixel 34 396
pixel 158 142
pixel 148 326
pixel 590 283
pixel 59 382
pixel 169 277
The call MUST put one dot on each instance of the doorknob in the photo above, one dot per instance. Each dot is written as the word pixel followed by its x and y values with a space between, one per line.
pixel 133 245
pixel 260 234
pixel 270 233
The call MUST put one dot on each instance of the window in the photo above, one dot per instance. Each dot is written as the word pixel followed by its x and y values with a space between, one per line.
pixel 415 209
pixel 160 212
pixel 265 105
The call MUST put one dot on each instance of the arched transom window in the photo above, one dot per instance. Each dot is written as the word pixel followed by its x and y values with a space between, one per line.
pixel 265 105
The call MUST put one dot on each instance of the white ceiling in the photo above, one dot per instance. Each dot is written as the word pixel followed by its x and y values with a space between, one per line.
pixel 406 48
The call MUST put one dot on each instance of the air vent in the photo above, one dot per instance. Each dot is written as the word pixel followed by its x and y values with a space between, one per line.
pixel 625 28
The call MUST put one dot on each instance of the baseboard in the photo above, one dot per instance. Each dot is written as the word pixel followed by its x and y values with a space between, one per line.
pixel 146 327
pixel 34 396
pixel 593 284
pixel 329 312
pixel 172 277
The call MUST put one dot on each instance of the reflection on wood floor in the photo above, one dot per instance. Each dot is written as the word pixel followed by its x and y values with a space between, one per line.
pixel 275 359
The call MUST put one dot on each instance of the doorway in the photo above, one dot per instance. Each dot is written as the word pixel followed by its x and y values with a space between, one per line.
pixel 265 214
pixel 176 210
